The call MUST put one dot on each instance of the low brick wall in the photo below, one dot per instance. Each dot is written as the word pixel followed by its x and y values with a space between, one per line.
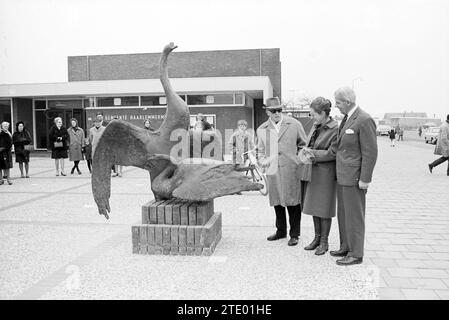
pixel 177 227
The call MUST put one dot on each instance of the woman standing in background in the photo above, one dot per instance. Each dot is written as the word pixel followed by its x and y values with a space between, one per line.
pixel 5 153
pixel 22 141
pixel 76 135
pixel 59 139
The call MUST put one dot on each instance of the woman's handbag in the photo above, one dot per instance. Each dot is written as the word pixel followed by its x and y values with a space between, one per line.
pixel 305 167
pixel 58 144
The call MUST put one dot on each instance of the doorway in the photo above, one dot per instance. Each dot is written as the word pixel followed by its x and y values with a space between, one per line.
pixel 47 110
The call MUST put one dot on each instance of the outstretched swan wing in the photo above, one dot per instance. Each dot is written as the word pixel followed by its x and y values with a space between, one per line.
pixel 121 143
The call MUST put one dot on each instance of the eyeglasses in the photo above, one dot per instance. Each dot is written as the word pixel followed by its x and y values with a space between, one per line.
pixel 276 110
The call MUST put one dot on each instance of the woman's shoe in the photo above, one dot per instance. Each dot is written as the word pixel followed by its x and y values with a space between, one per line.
pixel 314 244
pixel 324 246
pixel 72 171
pixel 63 174
pixel 22 176
pixel 57 174
pixel 79 171
pixel 9 182
pixel 27 176
pixel 1 182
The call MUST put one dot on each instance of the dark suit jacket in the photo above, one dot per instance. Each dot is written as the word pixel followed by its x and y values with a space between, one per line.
pixel 356 149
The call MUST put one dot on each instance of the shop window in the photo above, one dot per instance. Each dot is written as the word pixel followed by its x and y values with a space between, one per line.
pixel 5 112
pixel 210 99
pixel 238 98
pixel 153 101
pixel 40 105
pixel 65 104
pixel 118 102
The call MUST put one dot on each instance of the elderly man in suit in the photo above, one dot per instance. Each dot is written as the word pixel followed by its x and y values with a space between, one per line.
pixel 279 140
pixel 356 155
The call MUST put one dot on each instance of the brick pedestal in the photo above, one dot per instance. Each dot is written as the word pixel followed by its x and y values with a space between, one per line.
pixel 177 227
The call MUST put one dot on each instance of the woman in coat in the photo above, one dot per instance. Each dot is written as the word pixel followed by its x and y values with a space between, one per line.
pixel 5 152
pixel 20 139
pixel 59 141
pixel 76 135
pixel 442 147
pixel 320 193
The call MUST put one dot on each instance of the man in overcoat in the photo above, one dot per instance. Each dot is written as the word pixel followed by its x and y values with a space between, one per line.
pixel 278 141
pixel 356 155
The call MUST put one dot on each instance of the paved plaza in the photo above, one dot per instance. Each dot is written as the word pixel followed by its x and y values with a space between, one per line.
pixel 54 245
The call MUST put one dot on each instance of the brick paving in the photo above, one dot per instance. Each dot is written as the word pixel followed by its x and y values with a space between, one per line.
pixel 408 221
pixel 49 228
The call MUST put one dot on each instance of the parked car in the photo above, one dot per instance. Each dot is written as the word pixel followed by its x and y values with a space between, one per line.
pixel 431 135
pixel 383 130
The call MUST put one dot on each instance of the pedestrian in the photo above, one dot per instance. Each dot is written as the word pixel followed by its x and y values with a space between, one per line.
pixel 59 139
pixel 401 134
pixel 5 153
pixel 356 155
pixel 22 144
pixel 76 145
pixel 420 131
pixel 206 125
pixel 87 152
pixel 147 125
pixel 279 140
pixel 100 117
pixel 199 126
pixel 442 147
pixel 95 133
pixel 241 142
pixel 320 193
pixel 392 135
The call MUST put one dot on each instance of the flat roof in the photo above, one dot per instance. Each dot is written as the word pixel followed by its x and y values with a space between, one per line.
pixel 258 86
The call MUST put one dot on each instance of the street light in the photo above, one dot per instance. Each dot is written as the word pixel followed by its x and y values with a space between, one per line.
pixel 354 80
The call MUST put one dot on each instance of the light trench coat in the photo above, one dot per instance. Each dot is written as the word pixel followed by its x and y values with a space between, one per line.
pixel 76 144
pixel 281 150
pixel 442 147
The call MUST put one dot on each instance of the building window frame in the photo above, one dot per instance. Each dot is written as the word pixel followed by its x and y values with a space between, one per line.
pixel 34 121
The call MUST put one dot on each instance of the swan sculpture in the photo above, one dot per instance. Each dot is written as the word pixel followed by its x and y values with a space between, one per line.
pixel 123 143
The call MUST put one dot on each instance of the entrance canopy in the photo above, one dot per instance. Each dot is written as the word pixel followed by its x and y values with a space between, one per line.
pixel 259 86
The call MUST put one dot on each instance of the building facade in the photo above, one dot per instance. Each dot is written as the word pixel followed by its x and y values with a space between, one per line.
pixel 225 86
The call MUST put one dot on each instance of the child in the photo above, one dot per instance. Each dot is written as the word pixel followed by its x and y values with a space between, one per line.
pixel 87 150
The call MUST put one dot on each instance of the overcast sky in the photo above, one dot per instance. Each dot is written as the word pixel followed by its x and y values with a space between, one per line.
pixel 400 49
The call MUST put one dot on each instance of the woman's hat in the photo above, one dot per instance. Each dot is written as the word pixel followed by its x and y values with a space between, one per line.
pixel 272 103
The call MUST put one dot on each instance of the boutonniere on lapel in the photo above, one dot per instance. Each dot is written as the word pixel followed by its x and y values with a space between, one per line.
pixel 349 131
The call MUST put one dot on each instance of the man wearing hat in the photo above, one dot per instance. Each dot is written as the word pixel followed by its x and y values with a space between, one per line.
pixel 279 140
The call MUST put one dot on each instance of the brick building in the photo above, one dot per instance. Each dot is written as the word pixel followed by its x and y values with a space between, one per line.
pixel 225 86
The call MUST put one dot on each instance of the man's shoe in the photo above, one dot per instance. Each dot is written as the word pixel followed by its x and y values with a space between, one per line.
pixel 430 168
pixel 339 253
pixel 348 261
pixel 293 241
pixel 276 236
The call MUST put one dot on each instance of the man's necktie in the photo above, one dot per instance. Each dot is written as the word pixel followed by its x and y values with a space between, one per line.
pixel 343 122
